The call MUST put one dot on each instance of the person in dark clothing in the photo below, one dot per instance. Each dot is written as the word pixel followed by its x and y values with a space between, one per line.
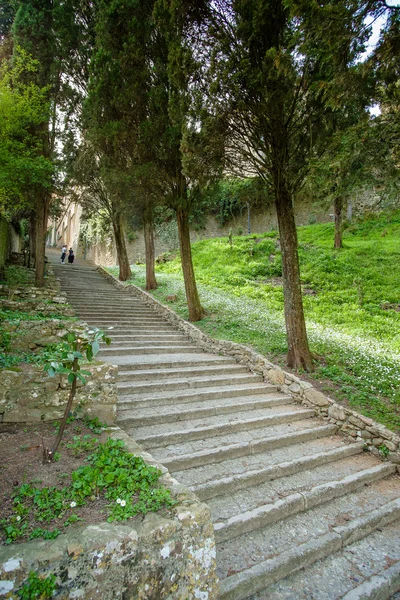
pixel 71 256
pixel 63 253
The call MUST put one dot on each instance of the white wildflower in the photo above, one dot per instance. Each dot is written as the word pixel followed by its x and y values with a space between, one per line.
pixel 73 504
pixel 18 518
pixel 118 501
pixel 123 503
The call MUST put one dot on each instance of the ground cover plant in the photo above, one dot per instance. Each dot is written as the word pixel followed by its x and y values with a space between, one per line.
pixel 95 478
pixel 351 300
pixel 9 356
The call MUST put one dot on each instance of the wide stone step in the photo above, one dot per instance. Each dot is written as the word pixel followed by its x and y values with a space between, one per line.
pixel 199 361
pixel 291 451
pixel 162 399
pixel 368 569
pixel 131 387
pixel 173 437
pixel 123 315
pixel 249 582
pixel 126 321
pixel 140 418
pixel 122 338
pixel 252 477
pixel 133 343
pixel 189 371
pixel 133 329
pixel 297 501
pixel 280 437
pixel 151 349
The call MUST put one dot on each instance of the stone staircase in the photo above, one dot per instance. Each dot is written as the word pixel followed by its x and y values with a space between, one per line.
pixel 299 512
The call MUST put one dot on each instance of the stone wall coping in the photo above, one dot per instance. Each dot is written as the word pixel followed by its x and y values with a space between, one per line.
pixel 377 438
pixel 85 559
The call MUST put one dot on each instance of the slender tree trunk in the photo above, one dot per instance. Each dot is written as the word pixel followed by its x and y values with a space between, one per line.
pixel 299 355
pixel 122 255
pixel 32 241
pixel 196 311
pixel 338 208
pixel 151 282
pixel 48 455
pixel 40 237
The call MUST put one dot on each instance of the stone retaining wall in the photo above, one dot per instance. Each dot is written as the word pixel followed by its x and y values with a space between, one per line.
pixel 157 558
pixel 29 395
pixel 32 336
pixel 375 436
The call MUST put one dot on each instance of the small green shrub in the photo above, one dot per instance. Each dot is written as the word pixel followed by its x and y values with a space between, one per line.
pixel 37 587
pixel 15 277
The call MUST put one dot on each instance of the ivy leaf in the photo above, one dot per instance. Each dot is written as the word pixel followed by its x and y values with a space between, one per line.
pixel 71 377
pixel 95 347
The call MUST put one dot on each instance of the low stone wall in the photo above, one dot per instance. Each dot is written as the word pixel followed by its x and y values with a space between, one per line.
pixel 29 395
pixel 348 421
pixel 34 335
pixel 160 557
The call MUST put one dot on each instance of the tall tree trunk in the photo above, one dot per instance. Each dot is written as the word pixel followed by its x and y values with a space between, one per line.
pixel 122 255
pixel 196 311
pixel 40 236
pixel 299 355
pixel 338 208
pixel 151 282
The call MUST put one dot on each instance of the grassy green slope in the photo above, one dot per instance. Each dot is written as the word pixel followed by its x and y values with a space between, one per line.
pixel 347 298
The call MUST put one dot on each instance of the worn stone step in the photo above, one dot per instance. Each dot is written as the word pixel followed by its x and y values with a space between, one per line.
pixel 108 300
pixel 126 321
pixel 296 502
pixel 117 310
pixel 154 335
pixel 137 328
pixel 140 418
pixel 164 439
pixel 248 582
pixel 110 351
pixel 245 551
pixel 225 452
pixel 368 569
pixel 241 481
pixel 124 339
pixel 132 387
pixel 190 371
pixel 118 344
pixel 227 391
pixel 199 361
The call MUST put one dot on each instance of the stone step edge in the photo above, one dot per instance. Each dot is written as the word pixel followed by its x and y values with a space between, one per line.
pixel 150 343
pixel 250 581
pixel 138 350
pixel 185 415
pixel 220 454
pixel 176 437
pixel 298 502
pixel 378 587
pixel 216 361
pixel 191 381
pixel 225 485
pixel 142 374
pixel 206 395
pixel 199 393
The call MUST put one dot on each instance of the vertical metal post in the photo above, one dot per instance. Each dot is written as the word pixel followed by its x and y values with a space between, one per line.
pixel 248 217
